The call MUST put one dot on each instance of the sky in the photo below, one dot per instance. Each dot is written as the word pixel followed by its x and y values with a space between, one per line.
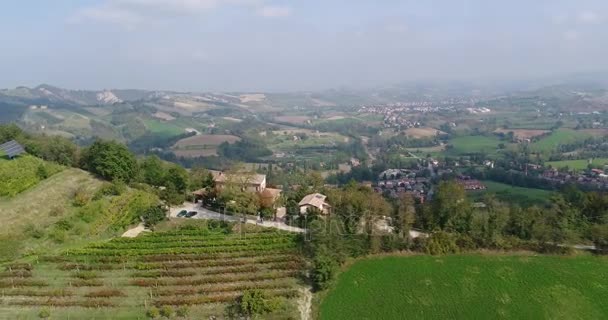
pixel 281 45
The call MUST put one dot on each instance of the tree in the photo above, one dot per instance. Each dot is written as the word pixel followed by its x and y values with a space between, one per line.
pixel 405 215
pixel 154 215
pixel 153 171
pixel 599 235
pixel 254 302
pixel 450 208
pixel 324 270
pixel 110 160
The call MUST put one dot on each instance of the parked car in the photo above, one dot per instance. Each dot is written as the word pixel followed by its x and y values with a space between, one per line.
pixel 182 213
pixel 191 214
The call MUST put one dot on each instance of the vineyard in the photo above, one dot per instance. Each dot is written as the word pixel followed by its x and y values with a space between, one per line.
pixel 195 267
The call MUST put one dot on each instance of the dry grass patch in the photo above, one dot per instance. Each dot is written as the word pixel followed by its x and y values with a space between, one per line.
pixel 423 132
pixel 523 133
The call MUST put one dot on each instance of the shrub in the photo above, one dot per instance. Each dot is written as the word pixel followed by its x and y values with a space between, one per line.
pixel 154 215
pixel 166 311
pixel 57 211
pixel 324 270
pixel 441 243
pixel 42 172
pixel 254 302
pixel 44 314
pixel 81 198
pixel 58 235
pixel 182 312
pixel 153 313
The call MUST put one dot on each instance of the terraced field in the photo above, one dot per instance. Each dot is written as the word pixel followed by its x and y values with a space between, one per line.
pixel 194 267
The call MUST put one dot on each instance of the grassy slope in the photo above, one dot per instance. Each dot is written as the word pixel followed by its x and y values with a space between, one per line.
pixel 38 208
pixel 471 287
pixel 21 173
pixel 164 128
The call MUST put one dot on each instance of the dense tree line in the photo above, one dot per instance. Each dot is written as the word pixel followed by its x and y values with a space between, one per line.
pixel 249 150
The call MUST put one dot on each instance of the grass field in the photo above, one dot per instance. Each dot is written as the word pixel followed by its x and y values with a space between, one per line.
pixel 560 136
pixel 520 195
pixel 577 164
pixel 471 287
pixel 182 265
pixel 474 144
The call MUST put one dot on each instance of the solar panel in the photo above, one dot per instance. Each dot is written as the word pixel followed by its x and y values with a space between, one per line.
pixel 12 148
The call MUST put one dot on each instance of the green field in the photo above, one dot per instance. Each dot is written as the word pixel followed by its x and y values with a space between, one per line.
pixel 560 136
pixel 513 194
pixel 471 287
pixel 474 144
pixel 189 265
pixel 163 128
pixel 577 164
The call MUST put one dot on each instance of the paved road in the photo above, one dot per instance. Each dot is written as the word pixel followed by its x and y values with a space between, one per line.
pixel 212 215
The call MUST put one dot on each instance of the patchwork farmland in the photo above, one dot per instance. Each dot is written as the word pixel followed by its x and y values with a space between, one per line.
pixel 203 145
pixel 203 269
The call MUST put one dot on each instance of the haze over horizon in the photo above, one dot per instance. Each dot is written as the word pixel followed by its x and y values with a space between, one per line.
pixel 273 45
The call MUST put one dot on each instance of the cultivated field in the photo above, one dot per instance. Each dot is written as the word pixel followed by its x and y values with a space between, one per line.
pixel 578 164
pixel 560 136
pixel 471 287
pixel 293 119
pixel 192 266
pixel 201 145
pixel 513 194
pixel 422 132
pixel 474 144
pixel 523 133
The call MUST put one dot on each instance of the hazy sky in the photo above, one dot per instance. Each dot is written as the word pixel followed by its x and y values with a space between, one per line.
pixel 293 45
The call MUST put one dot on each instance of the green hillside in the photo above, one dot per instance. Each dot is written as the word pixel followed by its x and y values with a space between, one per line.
pixel 22 173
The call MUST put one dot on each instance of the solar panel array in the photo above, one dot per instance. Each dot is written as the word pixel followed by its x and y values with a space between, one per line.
pixel 12 148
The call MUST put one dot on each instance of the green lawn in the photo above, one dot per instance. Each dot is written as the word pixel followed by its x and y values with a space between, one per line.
pixel 560 136
pixel 471 287
pixel 577 164
pixel 474 144
pixel 520 195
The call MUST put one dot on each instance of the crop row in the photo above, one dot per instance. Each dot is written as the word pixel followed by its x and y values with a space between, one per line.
pixel 191 244
pixel 202 232
pixel 86 283
pixel 19 266
pixel 186 261
pixel 179 238
pixel 213 279
pixel 91 303
pixel 222 298
pixel 215 263
pixel 177 274
pixel 213 256
pixel 140 252
pixel 189 291
pixel 19 273
pixel 22 282
pixel 36 293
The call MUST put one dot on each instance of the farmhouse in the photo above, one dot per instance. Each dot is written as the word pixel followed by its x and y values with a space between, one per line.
pixel 314 200
pixel 252 182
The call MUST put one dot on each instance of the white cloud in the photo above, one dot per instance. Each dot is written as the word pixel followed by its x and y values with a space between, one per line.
pixel 130 13
pixel 274 11
pixel 589 17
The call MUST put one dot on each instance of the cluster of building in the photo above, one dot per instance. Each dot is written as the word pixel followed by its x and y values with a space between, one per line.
pixel 470 184
pixel 593 179
pixel 396 182
pixel 398 115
